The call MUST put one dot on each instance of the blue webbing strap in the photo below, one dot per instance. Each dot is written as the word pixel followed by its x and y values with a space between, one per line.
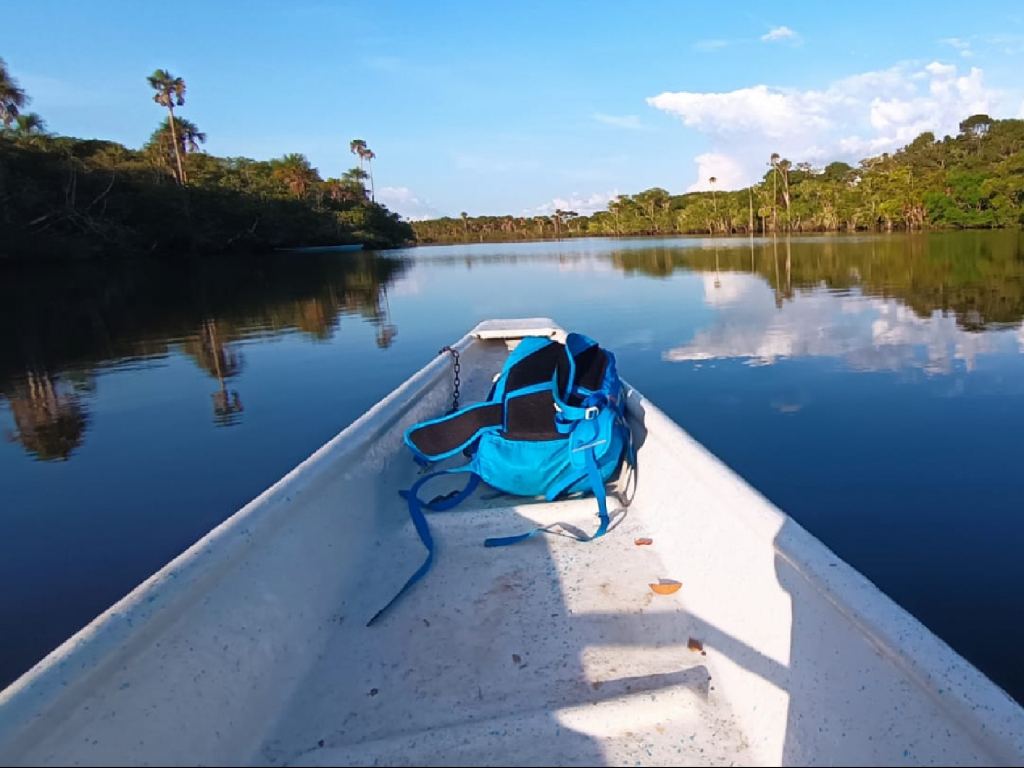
pixel 597 485
pixel 419 520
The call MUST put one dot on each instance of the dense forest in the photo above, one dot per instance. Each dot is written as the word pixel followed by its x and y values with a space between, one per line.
pixel 67 197
pixel 972 180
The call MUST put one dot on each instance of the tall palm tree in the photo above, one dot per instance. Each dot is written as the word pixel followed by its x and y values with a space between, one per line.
pixel 369 155
pixel 750 221
pixel 784 167
pixel 12 98
pixel 465 224
pixel 173 139
pixel 170 93
pixel 617 206
pixel 714 200
pixel 358 148
pixel 775 189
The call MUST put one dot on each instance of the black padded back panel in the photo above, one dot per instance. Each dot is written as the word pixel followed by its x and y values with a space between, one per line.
pixel 445 436
pixel 539 367
pixel 531 417
pixel 590 368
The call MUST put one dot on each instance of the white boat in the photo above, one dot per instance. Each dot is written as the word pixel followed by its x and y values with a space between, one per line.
pixel 252 647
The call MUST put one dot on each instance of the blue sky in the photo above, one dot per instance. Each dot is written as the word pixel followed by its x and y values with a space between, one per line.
pixel 521 107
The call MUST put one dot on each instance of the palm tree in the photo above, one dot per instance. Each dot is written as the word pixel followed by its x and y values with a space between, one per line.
pixel 296 173
pixel 335 189
pixel 30 128
pixel 616 207
pixel 358 148
pixel 775 189
pixel 750 202
pixel 173 139
pixel 714 200
pixel 369 155
pixel 28 124
pixel 353 181
pixel 465 224
pixel 784 166
pixel 12 98
pixel 170 93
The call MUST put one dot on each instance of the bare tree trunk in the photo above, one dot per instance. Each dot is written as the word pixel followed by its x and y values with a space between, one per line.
pixel 775 198
pixel 373 197
pixel 750 202
pixel 177 150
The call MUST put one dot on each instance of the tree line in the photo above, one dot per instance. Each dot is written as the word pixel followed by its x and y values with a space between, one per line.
pixel 972 180
pixel 64 196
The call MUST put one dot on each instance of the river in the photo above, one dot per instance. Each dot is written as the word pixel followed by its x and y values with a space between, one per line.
pixel 872 387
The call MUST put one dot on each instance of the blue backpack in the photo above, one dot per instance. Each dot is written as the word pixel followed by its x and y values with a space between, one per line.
pixel 554 424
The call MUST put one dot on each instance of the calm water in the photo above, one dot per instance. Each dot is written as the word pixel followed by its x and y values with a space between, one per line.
pixel 872 387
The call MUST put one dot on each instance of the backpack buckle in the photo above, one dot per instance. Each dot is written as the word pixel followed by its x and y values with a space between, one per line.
pixel 589 413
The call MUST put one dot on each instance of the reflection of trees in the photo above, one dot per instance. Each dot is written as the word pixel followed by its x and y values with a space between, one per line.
pixel 386 332
pixel 49 416
pixel 213 355
pixel 977 276
pixel 84 316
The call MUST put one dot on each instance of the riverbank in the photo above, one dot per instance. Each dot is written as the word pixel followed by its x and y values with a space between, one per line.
pixel 974 180
pixel 85 199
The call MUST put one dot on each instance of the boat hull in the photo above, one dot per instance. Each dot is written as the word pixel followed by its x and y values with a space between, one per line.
pixel 251 647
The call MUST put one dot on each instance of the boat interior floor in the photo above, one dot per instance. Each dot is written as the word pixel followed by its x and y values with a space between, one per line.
pixel 538 652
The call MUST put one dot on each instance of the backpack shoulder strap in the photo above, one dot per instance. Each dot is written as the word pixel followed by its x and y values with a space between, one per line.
pixel 419 520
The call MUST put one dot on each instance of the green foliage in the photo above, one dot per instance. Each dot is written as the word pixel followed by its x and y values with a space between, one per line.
pixel 61 196
pixel 93 198
pixel 12 98
pixel 972 180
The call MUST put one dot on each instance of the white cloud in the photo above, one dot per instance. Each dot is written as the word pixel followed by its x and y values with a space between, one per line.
pixel 960 44
pixel 760 108
pixel 622 121
pixel 780 33
pixel 403 201
pixel 867 333
pixel 724 288
pixel 860 115
pixel 597 201
pixel 710 45
pixel 727 171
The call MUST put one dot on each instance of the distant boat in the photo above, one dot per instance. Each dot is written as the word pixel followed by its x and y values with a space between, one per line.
pixel 323 248
pixel 251 648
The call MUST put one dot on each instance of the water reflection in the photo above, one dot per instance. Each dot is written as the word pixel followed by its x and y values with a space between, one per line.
pixel 976 276
pixel 223 362
pixel 64 324
pixel 50 415
pixel 869 334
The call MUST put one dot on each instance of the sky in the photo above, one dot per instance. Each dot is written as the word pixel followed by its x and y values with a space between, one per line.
pixel 522 108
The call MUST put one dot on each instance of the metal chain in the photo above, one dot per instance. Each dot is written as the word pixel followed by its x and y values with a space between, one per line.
pixel 458 381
